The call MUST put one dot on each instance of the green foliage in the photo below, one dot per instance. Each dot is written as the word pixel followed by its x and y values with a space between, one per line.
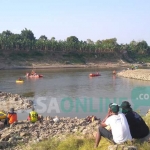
pixel 74 57
pixel 72 39
pixel 13 44
pixel 27 34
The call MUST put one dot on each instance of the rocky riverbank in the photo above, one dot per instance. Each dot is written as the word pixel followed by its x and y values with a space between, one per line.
pixel 9 100
pixel 27 133
pixel 140 74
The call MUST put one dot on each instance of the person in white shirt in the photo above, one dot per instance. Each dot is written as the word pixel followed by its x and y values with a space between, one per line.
pixel 120 131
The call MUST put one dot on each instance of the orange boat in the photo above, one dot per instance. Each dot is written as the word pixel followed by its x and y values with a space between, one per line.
pixel 34 75
pixel 94 74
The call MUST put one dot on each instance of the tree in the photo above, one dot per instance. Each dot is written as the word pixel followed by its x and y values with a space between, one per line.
pixel 27 34
pixel 73 43
pixel 6 33
pixel 89 41
pixel 53 39
pixel 43 38
pixel 72 39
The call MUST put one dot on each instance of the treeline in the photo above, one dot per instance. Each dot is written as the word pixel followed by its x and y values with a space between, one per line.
pixel 26 42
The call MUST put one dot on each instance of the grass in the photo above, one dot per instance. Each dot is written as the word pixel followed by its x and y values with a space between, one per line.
pixel 72 142
pixel 75 143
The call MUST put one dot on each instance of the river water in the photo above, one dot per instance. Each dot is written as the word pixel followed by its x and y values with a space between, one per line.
pixel 71 92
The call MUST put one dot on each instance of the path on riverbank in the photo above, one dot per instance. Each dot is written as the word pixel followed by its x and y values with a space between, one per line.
pixel 140 74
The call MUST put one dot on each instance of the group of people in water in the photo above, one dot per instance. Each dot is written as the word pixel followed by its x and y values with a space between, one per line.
pixel 33 73
pixel 124 126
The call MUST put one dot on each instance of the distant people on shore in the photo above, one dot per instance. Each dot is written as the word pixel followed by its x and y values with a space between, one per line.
pixel 137 125
pixel 132 67
pixel 11 117
pixel 33 116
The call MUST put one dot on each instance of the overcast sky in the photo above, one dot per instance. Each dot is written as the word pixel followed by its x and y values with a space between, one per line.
pixel 125 20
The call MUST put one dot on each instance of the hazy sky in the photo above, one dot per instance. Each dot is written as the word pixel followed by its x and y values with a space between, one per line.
pixel 125 20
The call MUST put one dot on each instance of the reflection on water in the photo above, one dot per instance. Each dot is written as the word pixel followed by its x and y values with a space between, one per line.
pixel 75 84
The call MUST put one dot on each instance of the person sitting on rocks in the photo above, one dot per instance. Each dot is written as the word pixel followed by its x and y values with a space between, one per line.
pixel 120 131
pixel 138 127
pixel 12 116
pixel 33 116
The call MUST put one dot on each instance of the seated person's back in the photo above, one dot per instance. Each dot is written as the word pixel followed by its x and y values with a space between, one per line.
pixel 138 127
pixel 33 115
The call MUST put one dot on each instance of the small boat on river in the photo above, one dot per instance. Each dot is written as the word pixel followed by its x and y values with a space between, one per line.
pixel 94 74
pixel 19 81
pixel 34 75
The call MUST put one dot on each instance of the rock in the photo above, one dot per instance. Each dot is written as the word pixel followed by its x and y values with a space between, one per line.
pixel 5 137
pixel 1 125
pixel 16 99
pixel 82 128
pixel 85 131
pixel 130 148
pixel 22 134
pixel 74 130
pixel 112 147
pixel 4 144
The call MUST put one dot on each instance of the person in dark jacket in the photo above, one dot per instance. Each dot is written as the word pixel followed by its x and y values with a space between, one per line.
pixel 137 125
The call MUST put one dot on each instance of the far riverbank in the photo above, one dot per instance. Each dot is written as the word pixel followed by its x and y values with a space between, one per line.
pixel 45 65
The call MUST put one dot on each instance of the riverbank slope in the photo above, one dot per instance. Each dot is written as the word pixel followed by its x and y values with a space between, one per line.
pixel 32 64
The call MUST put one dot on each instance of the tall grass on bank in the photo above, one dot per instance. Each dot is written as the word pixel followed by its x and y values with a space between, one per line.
pixel 72 142
pixel 75 143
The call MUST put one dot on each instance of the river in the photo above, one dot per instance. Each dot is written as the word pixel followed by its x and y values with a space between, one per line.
pixel 71 92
